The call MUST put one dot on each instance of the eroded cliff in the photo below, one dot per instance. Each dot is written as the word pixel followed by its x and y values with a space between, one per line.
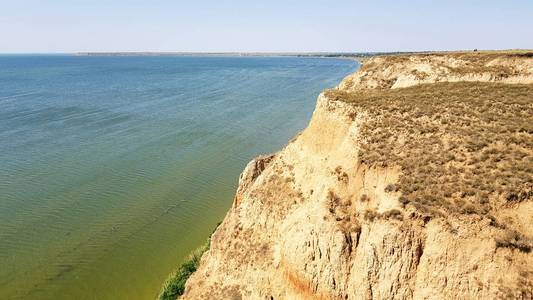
pixel 422 192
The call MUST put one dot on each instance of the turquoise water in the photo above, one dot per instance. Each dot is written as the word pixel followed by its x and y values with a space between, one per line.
pixel 113 168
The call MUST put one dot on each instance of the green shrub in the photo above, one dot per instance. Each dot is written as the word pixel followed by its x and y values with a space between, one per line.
pixel 174 286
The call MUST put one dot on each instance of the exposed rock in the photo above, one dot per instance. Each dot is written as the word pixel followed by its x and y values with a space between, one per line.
pixel 250 173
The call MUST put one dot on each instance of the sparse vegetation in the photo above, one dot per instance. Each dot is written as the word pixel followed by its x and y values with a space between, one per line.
pixel 424 66
pixel 341 175
pixel 370 215
pixel 393 214
pixel 364 198
pixel 390 188
pixel 463 147
pixel 343 213
pixel 174 286
pixel 515 240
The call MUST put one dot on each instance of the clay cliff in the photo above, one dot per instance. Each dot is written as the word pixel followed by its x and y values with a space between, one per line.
pixel 413 180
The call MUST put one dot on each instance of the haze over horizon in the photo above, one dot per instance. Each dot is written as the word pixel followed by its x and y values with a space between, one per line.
pixel 61 26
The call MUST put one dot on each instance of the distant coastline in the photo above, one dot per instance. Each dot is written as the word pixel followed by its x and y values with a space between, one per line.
pixel 339 55
pixel 360 56
pixel 150 53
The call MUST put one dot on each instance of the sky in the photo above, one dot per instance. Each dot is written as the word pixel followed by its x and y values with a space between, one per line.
pixel 66 26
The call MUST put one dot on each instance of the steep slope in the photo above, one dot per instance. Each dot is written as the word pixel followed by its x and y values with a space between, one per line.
pixel 422 192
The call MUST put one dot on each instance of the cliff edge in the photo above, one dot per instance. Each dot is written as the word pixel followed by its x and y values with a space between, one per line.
pixel 413 180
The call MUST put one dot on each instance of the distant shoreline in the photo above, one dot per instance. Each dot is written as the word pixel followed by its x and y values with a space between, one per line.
pixel 359 56
pixel 336 55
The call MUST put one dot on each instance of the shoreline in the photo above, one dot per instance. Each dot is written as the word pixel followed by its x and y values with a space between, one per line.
pixel 174 286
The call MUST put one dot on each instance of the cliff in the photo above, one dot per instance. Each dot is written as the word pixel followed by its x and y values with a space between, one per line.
pixel 408 70
pixel 413 180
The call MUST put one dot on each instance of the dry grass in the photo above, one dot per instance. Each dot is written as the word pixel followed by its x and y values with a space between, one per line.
pixel 514 239
pixel 475 60
pixel 463 147
pixel 342 211
pixel 383 71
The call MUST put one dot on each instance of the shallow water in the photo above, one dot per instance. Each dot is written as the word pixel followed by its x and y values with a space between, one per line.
pixel 113 168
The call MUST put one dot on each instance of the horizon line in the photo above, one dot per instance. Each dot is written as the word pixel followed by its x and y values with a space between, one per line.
pixel 252 53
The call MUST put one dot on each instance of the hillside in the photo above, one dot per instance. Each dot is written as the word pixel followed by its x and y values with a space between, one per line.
pixel 413 180
pixel 397 71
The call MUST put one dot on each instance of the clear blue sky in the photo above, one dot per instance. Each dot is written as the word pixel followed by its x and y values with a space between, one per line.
pixel 269 25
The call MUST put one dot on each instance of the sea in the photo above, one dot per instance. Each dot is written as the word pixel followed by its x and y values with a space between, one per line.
pixel 114 168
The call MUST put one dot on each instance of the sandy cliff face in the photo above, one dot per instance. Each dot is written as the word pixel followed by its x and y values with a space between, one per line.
pixel 408 70
pixel 315 221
